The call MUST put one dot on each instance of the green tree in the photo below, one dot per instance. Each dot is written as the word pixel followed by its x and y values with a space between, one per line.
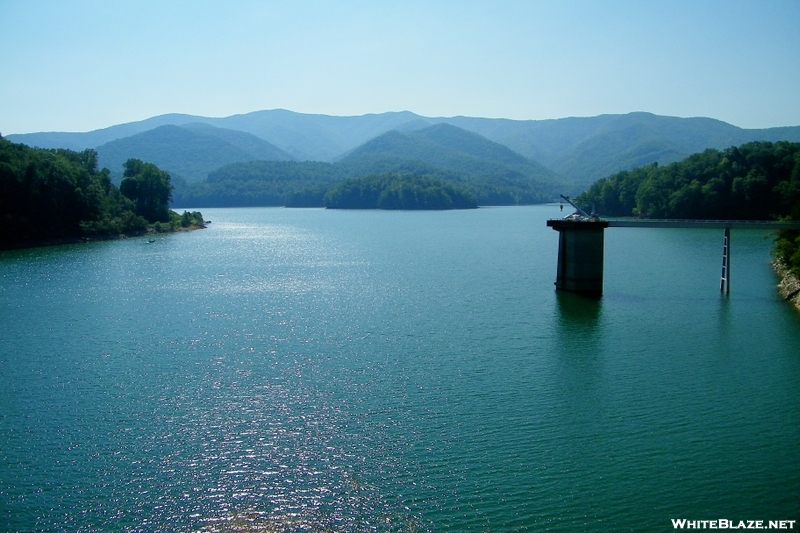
pixel 149 188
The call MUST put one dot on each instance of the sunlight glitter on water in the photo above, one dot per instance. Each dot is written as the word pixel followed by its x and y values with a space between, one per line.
pixel 317 371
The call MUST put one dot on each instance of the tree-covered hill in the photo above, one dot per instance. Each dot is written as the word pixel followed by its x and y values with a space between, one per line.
pixel 60 194
pixel 492 172
pixel 450 148
pixel 257 148
pixel 190 151
pixel 619 149
pixel 398 191
pixel 754 181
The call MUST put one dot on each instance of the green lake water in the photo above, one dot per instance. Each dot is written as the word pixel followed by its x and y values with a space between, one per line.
pixel 317 370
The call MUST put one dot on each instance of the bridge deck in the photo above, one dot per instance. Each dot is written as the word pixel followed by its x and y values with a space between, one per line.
pixel 711 224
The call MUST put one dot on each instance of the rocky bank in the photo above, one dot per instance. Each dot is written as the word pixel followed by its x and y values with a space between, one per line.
pixel 789 287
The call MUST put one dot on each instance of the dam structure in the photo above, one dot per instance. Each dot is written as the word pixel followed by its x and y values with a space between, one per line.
pixel 581 245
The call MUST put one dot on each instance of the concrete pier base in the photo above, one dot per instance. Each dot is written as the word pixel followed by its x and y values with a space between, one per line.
pixel 580 255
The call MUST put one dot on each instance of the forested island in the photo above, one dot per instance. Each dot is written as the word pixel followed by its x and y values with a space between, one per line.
pixel 58 195
pixel 754 181
pixel 398 191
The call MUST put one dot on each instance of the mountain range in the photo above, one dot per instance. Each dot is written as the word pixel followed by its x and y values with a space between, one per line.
pixel 569 153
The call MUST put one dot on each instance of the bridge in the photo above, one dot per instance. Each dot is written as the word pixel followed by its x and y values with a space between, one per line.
pixel 768 225
pixel 581 236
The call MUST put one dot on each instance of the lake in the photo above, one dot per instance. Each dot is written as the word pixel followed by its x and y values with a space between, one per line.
pixel 319 370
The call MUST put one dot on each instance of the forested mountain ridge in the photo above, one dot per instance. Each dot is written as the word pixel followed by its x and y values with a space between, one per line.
pixel 190 151
pixel 585 149
pixel 310 137
pixel 79 141
pixel 580 149
pixel 306 137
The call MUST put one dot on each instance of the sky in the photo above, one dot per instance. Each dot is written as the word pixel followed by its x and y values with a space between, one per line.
pixel 82 65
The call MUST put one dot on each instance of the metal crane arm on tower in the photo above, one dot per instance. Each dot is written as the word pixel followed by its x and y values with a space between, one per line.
pixel 578 209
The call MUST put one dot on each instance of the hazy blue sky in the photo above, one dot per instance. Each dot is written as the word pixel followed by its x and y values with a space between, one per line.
pixel 77 66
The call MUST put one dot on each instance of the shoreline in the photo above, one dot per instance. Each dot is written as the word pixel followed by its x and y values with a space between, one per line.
pixel 789 286
pixel 22 245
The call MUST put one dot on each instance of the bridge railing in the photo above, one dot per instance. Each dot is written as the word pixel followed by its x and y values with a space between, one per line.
pixel 711 224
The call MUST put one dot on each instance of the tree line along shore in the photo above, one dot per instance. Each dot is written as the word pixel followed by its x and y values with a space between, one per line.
pixel 56 196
